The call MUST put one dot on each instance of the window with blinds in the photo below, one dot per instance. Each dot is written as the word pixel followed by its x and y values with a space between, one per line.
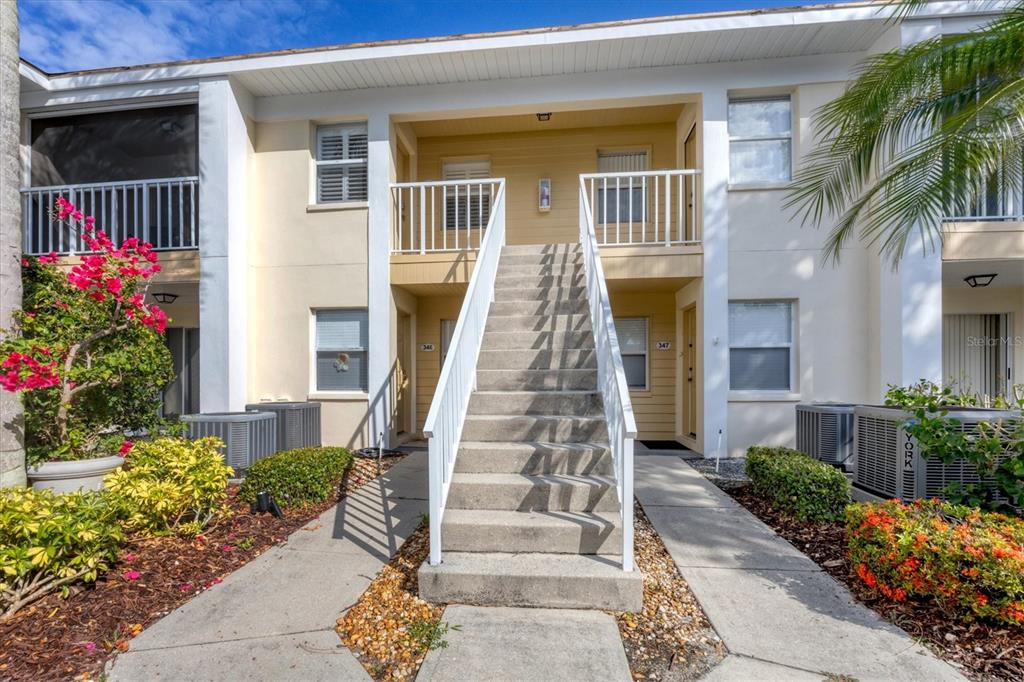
pixel 622 203
pixel 760 140
pixel 342 340
pixel 632 333
pixel 761 348
pixel 341 156
pixel 467 206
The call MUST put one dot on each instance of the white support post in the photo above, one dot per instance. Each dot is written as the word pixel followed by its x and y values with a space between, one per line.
pixel 715 285
pixel 380 173
pixel 224 148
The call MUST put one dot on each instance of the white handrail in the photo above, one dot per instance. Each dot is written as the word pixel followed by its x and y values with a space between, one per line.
pixel 161 211
pixel 441 215
pixel 611 376
pixel 443 426
pixel 644 207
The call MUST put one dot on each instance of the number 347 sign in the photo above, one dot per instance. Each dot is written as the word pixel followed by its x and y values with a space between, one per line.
pixel 663 345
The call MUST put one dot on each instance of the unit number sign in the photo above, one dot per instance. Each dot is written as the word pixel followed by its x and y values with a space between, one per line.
pixel 663 345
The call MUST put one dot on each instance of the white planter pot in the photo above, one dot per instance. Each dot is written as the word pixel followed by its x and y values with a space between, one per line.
pixel 69 477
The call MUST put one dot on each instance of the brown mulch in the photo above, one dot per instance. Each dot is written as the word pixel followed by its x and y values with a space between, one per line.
pixel 60 639
pixel 378 627
pixel 671 639
pixel 983 651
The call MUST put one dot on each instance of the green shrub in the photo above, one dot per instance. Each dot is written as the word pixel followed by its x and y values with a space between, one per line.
pixel 49 541
pixel 971 562
pixel 798 485
pixel 170 485
pixel 297 477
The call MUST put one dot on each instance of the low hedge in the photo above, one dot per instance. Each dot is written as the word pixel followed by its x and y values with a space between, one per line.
pixel 49 542
pixel 297 477
pixel 797 484
pixel 170 485
pixel 971 561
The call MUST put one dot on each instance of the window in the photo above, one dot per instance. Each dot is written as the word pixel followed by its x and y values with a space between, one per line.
pixel 447 330
pixel 467 206
pixel 632 333
pixel 341 152
pixel 760 140
pixel 761 346
pixel 342 339
pixel 617 202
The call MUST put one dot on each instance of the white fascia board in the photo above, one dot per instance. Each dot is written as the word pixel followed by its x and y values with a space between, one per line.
pixel 49 99
pixel 663 81
pixel 31 73
pixel 681 26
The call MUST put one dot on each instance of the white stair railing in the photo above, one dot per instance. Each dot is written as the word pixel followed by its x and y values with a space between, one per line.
pixel 443 427
pixel 442 215
pixel 162 211
pixel 644 207
pixel 611 376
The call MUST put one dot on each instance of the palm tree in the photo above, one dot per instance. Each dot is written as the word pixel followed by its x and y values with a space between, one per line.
pixel 917 135
pixel 12 454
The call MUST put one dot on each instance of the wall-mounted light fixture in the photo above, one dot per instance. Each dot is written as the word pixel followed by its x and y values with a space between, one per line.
pixel 979 280
pixel 544 195
pixel 165 297
pixel 546 116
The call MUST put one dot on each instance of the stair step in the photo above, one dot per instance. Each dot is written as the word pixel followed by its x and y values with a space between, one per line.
pixel 576 306
pixel 578 403
pixel 565 358
pixel 558 258
pixel 536 379
pixel 545 492
pixel 537 270
pixel 489 530
pixel 533 293
pixel 580 459
pixel 571 247
pixel 570 581
pixel 555 429
pixel 539 281
pixel 537 340
pixel 568 322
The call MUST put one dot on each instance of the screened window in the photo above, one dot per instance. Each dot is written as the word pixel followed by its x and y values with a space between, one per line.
pixel 467 206
pixel 760 140
pixel 341 155
pixel 619 203
pixel 632 333
pixel 342 339
pixel 761 346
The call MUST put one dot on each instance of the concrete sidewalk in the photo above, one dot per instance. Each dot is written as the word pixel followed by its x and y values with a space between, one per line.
pixel 779 614
pixel 274 618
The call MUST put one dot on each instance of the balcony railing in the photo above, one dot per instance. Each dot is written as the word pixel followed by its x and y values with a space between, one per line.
pixel 163 212
pixel 649 207
pixel 439 216
pixel 1001 198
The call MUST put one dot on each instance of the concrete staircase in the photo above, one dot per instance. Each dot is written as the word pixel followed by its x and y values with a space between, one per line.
pixel 532 517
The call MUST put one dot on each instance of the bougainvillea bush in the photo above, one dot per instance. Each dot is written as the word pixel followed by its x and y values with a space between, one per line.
pixel 87 353
pixel 971 561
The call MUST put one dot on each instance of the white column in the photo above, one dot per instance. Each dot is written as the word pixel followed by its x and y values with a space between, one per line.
pixel 910 318
pixel 380 173
pixel 715 289
pixel 223 264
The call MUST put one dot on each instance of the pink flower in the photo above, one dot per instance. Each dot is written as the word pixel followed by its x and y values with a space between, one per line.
pixel 125 448
pixel 128 557
pixel 215 581
pixel 226 548
pixel 89 646
pixel 131 576
pixel 185 587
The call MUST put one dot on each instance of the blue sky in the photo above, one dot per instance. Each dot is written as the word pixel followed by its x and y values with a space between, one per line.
pixel 65 35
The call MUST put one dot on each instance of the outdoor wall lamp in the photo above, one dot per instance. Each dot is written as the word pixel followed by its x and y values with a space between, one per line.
pixel 979 280
pixel 546 116
pixel 165 297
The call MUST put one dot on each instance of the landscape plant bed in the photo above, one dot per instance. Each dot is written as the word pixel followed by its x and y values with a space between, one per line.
pixel 982 651
pixel 671 639
pixel 390 629
pixel 60 639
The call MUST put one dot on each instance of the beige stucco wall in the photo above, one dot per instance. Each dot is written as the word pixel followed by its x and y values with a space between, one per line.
pixel 772 257
pixel 299 260
pixel 523 158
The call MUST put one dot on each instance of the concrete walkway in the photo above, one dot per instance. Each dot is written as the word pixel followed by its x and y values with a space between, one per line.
pixel 274 618
pixel 779 614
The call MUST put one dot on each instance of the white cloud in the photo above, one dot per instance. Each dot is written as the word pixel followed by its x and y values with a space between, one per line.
pixel 66 35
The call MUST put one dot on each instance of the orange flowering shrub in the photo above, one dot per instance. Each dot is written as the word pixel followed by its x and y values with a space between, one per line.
pixel 971 561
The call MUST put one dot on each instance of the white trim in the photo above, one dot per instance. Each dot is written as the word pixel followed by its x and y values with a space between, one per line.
pixel 337 206
pixel 340 396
